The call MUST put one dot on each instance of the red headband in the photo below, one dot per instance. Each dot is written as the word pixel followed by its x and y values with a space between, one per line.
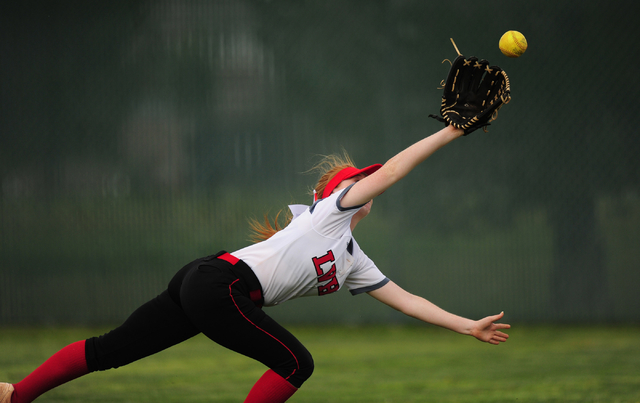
pixel 347 173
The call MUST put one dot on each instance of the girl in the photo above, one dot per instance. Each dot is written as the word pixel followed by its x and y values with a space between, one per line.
pixel 222 295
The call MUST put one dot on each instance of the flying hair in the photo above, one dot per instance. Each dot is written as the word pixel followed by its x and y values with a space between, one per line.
pixel 327 167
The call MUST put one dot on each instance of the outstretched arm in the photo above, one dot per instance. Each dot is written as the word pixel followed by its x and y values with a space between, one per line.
pixel 398 167
pixel 412 305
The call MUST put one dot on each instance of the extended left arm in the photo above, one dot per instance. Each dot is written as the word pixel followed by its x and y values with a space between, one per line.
pixel 412 305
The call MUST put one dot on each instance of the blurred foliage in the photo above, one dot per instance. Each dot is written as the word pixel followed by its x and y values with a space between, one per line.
pixel 124 123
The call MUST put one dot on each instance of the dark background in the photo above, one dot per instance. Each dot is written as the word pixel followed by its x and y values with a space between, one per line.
pixel 138 135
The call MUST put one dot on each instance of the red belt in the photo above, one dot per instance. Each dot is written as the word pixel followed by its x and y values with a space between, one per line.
pixel 255 290
pixel 228 257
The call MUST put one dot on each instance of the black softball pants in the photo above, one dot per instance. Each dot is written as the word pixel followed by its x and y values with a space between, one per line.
pixel 209 296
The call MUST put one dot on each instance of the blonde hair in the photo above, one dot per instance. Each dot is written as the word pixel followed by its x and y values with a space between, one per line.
pixel 328 167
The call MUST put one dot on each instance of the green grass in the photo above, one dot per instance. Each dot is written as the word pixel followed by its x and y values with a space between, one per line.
pixel 363 364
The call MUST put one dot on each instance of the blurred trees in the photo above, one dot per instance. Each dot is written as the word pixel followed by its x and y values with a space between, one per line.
pixel 138 97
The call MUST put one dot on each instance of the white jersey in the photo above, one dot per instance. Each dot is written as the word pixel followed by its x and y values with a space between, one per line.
pixel 315 254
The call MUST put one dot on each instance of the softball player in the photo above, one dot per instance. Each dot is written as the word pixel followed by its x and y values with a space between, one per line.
pixel 222 295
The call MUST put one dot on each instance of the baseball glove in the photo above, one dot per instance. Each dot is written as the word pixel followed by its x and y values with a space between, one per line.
pixel 473 94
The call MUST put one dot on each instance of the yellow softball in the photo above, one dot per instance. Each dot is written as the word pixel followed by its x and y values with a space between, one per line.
pixel 513 44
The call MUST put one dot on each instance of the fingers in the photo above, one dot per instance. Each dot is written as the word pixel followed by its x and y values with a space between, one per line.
pixel 499 325
pixel 498 338
pixel 489 320
pixel 503 335
pixel 497 317
pixel 490 332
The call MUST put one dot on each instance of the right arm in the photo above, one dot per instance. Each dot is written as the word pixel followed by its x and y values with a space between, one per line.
pixel 398 167
pixel 485 329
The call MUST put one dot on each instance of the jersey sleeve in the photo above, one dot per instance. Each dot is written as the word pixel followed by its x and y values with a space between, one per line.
pixel 365 276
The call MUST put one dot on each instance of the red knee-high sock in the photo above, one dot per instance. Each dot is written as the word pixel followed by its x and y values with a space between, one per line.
pixel 64 366
pixel 271 388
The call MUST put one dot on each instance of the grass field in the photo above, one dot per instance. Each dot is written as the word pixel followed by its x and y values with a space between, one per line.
pixel 364 364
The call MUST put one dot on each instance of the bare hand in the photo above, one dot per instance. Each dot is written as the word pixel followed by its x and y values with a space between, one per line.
pixel 488 331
